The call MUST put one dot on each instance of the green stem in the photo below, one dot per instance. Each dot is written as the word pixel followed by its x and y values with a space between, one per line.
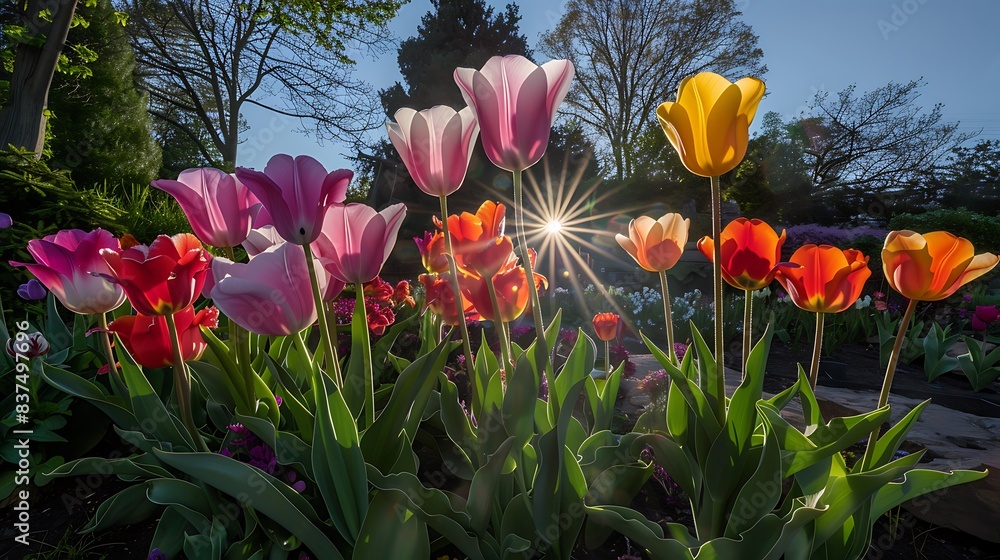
pixel 522 242
pixel 607 359
pixel 182 386
pixel 464 329
pixel 817 349
pixel 242 346
pixel 324 329
pixel 500 326
pixel 116 377
pixel 720 355
pixel 668 316
pixel 747 327
pixel 890 371
pixel 366 356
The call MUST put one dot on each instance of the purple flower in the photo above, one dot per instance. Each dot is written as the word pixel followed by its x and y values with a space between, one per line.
pixel 967 298
pixel 680 349
pixel 278 400
pixel 32 290
pixel 291 477
pixel 157 554
pixel 5 221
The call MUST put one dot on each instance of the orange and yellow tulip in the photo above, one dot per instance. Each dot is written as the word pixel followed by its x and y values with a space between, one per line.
pixel 511 285
pixel 933 266
pixel 606 326
pixel 709 123
pixel 750 252
pixel 824 279
pixel 656 244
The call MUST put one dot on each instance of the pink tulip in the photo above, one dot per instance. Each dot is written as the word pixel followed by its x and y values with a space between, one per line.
pixel 271 294
pixel 357 240
pixel 296 193
pixel 261 239
pixel 515 103
pixel 217 204
pixel 436 145
pixel 64 262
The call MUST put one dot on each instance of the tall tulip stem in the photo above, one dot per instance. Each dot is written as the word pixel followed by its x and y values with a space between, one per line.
pixel 116 378
pixel 182 386
pixel 457 291
pixel 817 349
pixel 522 243
pixel 747 327
pixel 720 352
pixel 324 328
pixel 890 371
pixel 499 325
pixel 366 355
pixel 668 316
pixel 607 359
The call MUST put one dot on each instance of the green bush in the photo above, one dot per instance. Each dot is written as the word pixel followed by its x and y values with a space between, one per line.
pixel 982 230
pixel 146 211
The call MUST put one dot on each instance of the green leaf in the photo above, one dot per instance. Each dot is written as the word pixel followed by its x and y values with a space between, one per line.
pixel 149 409
pixel 77 386
pixel 124 508
pixel 172 491
pixel 519 401
pixel 391 530
pixel 887 445
pixel 697 401
pixel 338 466
pixel 642 531
pixel 679 464
pixel 99 465
pixel 917 483
pixel 457 424
pixel 169 535
pixel 269 496
pixel 761 492
pixel 482 491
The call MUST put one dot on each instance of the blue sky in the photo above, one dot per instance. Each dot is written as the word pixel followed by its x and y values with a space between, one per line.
pixel 809 46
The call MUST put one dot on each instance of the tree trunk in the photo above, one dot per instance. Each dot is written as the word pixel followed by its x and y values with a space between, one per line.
pixel 22 121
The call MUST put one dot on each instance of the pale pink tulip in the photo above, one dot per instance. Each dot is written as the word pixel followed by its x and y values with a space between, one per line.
pixel 515 103
pixel 261 239
pixel 296 193
pixel 357 240
pixel 217 204
pixel 435 145
pixel 270 295
pixel 64 263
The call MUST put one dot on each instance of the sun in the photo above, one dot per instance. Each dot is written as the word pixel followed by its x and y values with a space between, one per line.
pixel 553 227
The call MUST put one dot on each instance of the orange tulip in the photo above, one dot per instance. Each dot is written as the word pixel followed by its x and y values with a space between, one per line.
pixel 750 252
pixel 710 122
pixel 656 244
pixel 441 299
pixel 824 279
pixel 511 285
pixel 606 326
pixel 933 266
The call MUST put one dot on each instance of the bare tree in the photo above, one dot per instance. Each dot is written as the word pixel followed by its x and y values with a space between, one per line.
pixel 880 141
pixel 630 56
pixel 45 25
pixel 211 58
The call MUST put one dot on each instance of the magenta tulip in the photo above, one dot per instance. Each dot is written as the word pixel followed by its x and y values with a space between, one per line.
pixel 357 240
pixel 435 145
pixel 269 295
pixel 515 103
pixel 64 262
pixel 216 204
pixel 296 194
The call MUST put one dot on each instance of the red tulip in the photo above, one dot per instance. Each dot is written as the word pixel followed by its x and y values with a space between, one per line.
pixel 435 145
pixel 515 103
pixel 163 278
pixel 826 280
pixel 216 204
pixel 606 326
pixel 296 194
pixel 64 264
pixel 147 338
pixel 750 253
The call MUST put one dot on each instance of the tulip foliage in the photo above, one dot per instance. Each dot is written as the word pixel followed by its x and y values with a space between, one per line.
pixel 267 443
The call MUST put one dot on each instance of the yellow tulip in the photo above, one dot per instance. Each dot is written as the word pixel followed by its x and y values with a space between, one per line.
pixel 709 124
